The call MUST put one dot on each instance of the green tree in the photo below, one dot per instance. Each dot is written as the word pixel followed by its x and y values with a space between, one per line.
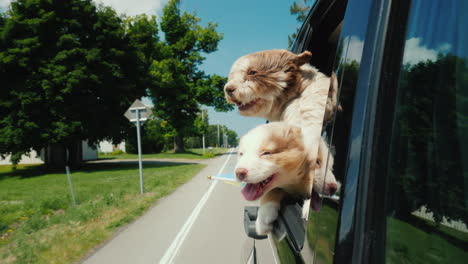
pixel 232 138
pixel 300 9
pixel 156 134
pixel 69 70
pixel 431 135
pixel 179 85
pixel 193 138
pixel 201 123
pixel 202 127
pixel 213 140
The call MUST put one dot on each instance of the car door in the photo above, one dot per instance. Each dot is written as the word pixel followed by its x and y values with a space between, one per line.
pixel 335 37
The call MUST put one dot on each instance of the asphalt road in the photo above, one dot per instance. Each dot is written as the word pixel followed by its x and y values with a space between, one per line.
pixel 201 222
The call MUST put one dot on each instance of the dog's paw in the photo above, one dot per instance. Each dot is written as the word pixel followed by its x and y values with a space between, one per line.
pixel 267 214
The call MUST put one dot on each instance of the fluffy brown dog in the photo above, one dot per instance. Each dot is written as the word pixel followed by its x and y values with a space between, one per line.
pixel 273 162
pixel 282 86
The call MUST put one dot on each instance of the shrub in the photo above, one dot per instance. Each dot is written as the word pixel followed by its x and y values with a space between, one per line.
pixel 53 203
pixel 34 223
pixel 209 155
pixel 3 227
pixel 117 152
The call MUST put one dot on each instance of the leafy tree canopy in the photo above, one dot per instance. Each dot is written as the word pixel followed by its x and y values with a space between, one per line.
pixel 179 85
pixel 69 70
pixel 299 8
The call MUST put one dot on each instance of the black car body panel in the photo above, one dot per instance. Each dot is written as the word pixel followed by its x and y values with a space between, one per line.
pixel 401 141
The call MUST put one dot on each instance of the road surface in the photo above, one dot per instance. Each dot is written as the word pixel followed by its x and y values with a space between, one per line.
pixel 201 222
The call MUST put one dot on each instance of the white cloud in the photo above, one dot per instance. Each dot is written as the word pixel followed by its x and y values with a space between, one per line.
pixel 134 7
pixel 128 7
pixel 4 4
pixel 416 52
pixel 353 47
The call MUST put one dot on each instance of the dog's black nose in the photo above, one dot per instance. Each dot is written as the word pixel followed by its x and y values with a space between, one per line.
pixel 241 173
pixel 332 188
pixel 230 89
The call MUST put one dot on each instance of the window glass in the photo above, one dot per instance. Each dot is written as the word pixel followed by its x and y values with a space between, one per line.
pixel 345 61
pixel 427 192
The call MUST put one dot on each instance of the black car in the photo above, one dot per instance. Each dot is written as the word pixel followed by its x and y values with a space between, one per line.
pixel 401 141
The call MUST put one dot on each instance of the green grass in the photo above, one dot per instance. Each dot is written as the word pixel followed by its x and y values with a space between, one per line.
pixel 38 223
pixel 408 244
pixel 189 154
pixel 322 226
pixel 285 253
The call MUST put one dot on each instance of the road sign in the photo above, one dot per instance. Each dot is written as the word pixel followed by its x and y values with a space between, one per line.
pixel 138 106
pixel 138 113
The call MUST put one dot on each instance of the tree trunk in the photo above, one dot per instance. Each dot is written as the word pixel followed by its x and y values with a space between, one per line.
pixel 56 155
pixel 75 154
pixel 179 143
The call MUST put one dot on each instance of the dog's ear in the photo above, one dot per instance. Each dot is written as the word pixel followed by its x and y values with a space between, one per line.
pixel 302 58
pixel 293 134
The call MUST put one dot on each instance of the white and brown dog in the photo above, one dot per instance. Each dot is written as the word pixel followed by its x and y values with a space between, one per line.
pixel 282 86
pixel 273 162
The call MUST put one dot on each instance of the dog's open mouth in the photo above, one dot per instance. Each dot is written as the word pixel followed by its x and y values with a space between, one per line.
pixel 246 106
pixel 252 191
pixel 316 201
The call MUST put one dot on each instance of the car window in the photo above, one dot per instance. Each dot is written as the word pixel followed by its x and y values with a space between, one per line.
pixel 335 223
pixel 427 188
pixel 337 47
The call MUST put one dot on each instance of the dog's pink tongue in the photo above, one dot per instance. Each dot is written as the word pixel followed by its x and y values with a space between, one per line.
pixel 251 192
pixel 316 202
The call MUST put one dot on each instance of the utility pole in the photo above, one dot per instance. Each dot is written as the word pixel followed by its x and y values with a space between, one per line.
pixel 203 137
pixel 218 145
pixel 224 138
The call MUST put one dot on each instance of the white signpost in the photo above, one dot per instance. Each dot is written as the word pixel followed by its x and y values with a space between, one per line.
pixel 138 113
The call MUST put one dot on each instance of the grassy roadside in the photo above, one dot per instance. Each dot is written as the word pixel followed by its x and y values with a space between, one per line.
pixel 38 224
pixel 405 242
pixel 189 154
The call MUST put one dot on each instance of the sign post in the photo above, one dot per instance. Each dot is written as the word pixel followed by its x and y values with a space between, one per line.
pixel 72 190
pixel 203 137
pixel 140 165
pixel 138 113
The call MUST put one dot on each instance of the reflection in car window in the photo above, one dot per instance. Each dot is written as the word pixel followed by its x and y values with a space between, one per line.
pixel 427 195
pixel 322 226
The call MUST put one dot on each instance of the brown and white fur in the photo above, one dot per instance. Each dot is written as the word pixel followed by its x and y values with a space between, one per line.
pixel 282 86
pixel 324 179
pixel 274 163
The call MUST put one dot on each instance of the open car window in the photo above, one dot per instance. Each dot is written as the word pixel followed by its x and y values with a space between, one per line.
pixel 321 36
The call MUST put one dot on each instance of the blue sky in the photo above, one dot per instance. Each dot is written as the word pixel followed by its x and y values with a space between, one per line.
pixel 248 26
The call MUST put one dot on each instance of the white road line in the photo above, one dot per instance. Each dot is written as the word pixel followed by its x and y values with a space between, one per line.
pixel 175 246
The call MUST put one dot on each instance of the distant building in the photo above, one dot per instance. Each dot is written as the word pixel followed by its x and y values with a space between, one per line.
pixel 53 153
pixel 88 152
pixel 107 146
pixel 33 158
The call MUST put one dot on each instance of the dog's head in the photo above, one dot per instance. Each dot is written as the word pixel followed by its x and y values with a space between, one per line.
pixel 261 81
pixel 271 156
pixel 325 182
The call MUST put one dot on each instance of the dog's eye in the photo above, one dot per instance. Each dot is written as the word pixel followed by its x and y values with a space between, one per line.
pixel 319 163
pixel 240 154
pixel 252 72
pixel 266 153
